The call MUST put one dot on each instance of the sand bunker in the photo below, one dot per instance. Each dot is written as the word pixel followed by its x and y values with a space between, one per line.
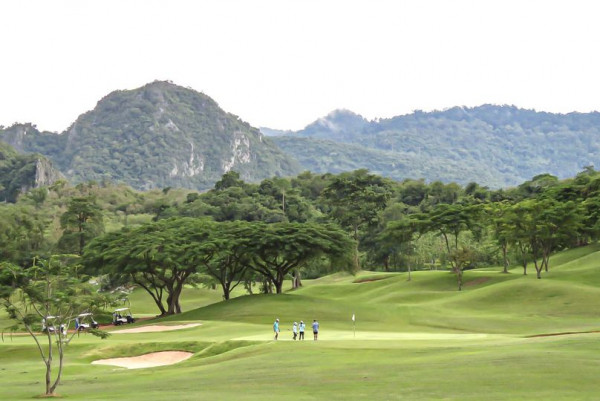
pixel 154 328
pixel 147 361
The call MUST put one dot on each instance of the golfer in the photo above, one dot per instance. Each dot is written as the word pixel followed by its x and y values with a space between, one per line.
pixel 276 328
pixel 301 328
pixel 315 327
pixel 295 330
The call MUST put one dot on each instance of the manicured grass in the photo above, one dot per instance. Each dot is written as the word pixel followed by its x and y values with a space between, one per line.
pixel 418 339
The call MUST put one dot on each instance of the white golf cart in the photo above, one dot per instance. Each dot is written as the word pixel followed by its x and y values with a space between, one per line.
pixel 122 316
pixel 85 321
pixel 48 325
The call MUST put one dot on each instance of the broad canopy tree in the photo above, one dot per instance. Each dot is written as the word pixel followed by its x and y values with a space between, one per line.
pixel 277 249
pixel 160 257
pixel 224 258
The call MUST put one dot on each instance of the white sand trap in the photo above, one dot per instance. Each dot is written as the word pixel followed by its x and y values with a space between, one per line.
pixel 147 360
pixel 155 328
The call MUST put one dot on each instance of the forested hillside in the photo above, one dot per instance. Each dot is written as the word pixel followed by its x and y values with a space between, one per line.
pixel 496 146
pixel 160 135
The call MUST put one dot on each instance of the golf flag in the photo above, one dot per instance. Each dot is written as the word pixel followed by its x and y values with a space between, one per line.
pixel 353 318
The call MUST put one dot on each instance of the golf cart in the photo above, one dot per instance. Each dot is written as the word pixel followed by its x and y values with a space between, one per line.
pixel 48 325
pixel 85 321
pixel 122 316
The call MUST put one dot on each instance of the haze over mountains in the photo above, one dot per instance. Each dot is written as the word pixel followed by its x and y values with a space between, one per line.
pixel 164 135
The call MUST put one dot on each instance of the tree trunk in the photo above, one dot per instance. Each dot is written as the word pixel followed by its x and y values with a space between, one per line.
pixel 356 260
pixel 48 378
pixel 459 276
pixel 248 286
pixel 170 302
pixel 296 280
pixel 386 263
pixel 157 297
pixel 60 366
pixel 408 272
pixel 546 260
pixel 505 257
pixel 49 364
pixel 524 259
pixel 226 290
pixel 267 287
pixel 538 269
pixel 278 287
pixel 174 306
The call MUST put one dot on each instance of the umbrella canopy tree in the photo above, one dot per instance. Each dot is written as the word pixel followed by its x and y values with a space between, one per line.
pixel 277 249
pixel 223 256
pixel 50 293
pixel 160 257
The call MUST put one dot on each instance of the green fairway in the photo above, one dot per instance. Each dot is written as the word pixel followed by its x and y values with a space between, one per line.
pixel 418 339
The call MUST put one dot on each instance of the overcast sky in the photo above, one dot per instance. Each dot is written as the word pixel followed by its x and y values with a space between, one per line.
pixel 282 64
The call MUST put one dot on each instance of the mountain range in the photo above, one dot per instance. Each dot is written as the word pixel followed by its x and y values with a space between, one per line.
pixel 496 146
pixel 164 135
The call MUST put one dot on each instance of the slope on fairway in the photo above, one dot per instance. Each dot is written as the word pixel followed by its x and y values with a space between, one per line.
pixel 491 302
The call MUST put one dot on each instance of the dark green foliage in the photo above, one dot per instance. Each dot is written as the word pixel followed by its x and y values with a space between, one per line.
pixel 494 146
pixel 81 222
pixel 22 230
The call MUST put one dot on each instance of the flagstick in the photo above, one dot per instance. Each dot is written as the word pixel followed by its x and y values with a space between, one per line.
pixel 354 323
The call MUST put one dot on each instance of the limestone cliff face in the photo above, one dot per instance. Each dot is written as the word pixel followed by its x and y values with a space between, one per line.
pixel 19 173
pixel 16 135
pixel 45 173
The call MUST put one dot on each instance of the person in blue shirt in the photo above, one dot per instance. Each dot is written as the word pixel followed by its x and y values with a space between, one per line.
pixel 276 328
pixel 301 328
pixel 315 327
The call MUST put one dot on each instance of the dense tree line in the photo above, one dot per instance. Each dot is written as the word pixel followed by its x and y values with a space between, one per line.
pixel 259 235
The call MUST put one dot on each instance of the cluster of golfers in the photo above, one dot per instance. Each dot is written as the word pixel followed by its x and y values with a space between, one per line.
pixel 298 330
